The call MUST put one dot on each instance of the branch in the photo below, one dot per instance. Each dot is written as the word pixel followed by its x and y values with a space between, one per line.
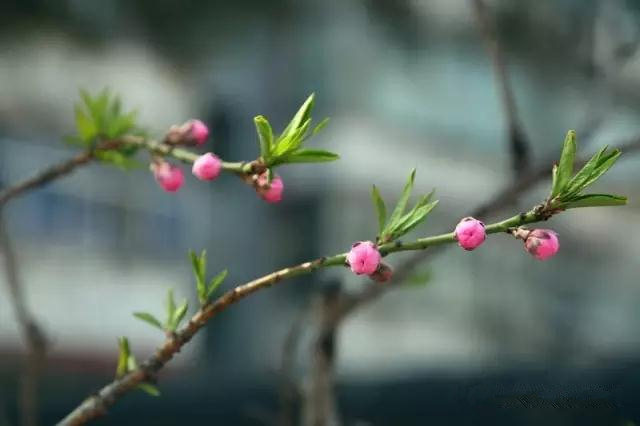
pixel 46 176
pixel 34 338
pixel 67 167
pixel 97 405
pixel 506 197
pixel 518 140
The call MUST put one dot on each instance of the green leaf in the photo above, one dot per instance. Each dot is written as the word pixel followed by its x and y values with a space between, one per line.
pixel 302 116
pixel 178 315
pixel 565 166
pixel 402 202
pixel 291 142
pixel 149 319
pixel 577 182
pixel 171 307
pixel 265 134
pixel 149 389
pixel 411 220
pixel 309 156
pixel 199 265
pixel 123 356
pixel 320 126
pixel 131 363
pixel 87 130
pixel 595 200
pixel 215 283
pixel 555 189
pixel 381 208
pixel 605 162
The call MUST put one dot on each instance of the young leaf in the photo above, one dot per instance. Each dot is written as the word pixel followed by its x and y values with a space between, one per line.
pixel 381 208
pixel 411 220
pixel 320 126
pixel 123 356
pixel 265 134
pixel 149 319
pixel 149 389
pixel 288 144
pixel 215 283
pixel 199 265
pixel 596 200
pixel 604 163
pixel 303 115
pixel 567 158
pixel 86 128
pixel 171 307
pixel 402 202
pixel 555 188
pixel 576 184
pixel 178 315
pixel 309 156
pixel 131 363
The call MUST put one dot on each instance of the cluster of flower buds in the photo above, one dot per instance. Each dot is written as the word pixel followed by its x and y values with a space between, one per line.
pixel 208 166
pixel 365 259
pixel 541 243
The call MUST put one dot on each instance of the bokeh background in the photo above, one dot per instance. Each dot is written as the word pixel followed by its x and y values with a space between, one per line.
pixel 407 83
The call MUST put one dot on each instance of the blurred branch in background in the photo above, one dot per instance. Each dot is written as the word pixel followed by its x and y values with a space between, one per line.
pixel 290 392
pixel 34 339
pixel 320 405
pixel 518 139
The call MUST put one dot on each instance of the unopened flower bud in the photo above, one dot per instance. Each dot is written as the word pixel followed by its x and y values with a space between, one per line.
pixel 198 131
pixel 193 132
pixel 470 233
pixel 270 192
pixel 169 177
pixel 364 258
pixel 207 167
pixel 382 274
pixel 541 243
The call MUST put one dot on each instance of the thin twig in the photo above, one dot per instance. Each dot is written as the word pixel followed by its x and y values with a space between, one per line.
pixel 97 404
pixel 66 167
pixel 46 176
pixel 518 140
pixel 31 332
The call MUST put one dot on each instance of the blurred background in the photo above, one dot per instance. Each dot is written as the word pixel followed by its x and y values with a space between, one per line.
pixel 489 337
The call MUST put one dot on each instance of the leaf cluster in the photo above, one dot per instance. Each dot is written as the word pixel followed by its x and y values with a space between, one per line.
pixel 288 147
pixel 401 222
pixel 102 118
pixel 567 188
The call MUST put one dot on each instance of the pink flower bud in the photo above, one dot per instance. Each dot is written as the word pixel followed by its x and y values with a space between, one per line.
pixel 382 274
pixel 198 131
pixel 542 243
pixel 271 193
pixel 207 167
pixel 169 177
pixel 470 233
pixel 364 258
